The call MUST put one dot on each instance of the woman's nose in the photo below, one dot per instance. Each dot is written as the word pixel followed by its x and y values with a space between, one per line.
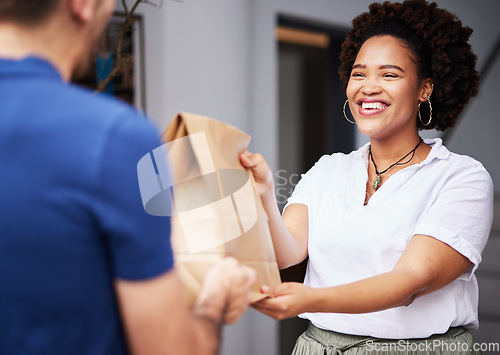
pixel 370 87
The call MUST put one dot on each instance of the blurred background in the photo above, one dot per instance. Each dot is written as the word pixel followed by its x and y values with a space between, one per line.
pixel 269 67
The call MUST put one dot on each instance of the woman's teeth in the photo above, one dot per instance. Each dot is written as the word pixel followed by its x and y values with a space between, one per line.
pixel 373 105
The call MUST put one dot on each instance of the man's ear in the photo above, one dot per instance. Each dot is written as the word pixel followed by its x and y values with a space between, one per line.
pixel 82 10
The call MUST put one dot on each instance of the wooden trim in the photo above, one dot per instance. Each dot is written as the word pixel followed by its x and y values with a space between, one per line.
pixel 302 37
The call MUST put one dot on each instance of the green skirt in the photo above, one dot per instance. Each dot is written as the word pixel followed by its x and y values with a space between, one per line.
pixel 316 341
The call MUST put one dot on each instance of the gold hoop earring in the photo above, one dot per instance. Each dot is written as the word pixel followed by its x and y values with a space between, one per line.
pixel 345 103
pixel 430 113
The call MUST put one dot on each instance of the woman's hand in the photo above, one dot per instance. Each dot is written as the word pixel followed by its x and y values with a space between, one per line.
pixel 262 173
pixel 286 300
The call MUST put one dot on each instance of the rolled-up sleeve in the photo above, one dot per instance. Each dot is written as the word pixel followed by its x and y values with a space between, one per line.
pixel 461 213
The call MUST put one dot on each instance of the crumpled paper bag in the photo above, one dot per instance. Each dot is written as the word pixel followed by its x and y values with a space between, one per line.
pixel 217 211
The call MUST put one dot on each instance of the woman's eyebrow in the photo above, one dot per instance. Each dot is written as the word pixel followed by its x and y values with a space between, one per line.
pixel 391 66
pixel 359 66
pixel 385 66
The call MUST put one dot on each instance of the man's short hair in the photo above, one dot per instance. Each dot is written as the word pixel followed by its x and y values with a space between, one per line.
pixel 26 12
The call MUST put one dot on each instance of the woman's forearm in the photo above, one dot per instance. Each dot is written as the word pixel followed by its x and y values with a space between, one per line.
pixel 289 239
pixel 384 291
pixel 289 250
pixel 389 290
pixel 426 265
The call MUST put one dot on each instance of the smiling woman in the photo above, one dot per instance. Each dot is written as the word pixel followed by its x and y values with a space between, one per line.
pixel 394 243
pixel 379 87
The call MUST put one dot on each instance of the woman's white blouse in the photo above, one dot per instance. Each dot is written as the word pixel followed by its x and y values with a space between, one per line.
pixel 448 197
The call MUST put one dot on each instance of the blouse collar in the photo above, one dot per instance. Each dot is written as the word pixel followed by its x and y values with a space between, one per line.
pixel 438 151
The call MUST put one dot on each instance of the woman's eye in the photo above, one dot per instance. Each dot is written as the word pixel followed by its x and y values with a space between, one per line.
pixel 357 74
pixel 390 75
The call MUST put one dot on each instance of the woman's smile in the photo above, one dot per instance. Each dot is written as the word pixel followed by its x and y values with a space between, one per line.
pixel 371 106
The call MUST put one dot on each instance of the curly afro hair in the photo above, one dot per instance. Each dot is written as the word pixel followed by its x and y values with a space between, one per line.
pixel 439 45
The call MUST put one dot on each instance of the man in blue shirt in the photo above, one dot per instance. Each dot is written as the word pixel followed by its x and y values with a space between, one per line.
pixel 83 268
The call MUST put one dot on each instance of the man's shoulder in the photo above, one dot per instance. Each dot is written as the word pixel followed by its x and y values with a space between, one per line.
pixel 83 111
pixel 78 122
pixel 82 101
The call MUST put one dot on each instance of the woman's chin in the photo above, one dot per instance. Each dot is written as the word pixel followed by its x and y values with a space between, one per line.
pixel 369 127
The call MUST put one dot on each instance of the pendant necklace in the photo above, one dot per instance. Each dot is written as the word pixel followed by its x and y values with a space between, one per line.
pixel 376 182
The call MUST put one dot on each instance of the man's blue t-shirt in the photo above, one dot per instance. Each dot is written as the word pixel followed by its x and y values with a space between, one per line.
pixel 71 214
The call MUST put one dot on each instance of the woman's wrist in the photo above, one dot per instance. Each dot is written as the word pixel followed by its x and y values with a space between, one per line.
pixel 315 299
pixel 269 200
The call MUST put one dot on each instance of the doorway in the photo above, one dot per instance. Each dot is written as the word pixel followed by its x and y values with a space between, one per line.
pixel 311 122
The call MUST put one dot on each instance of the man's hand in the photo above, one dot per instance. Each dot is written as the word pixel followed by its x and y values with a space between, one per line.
pixel 157 319
pixel 227 289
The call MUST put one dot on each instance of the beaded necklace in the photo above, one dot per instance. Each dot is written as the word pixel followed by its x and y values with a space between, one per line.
pixel 376 183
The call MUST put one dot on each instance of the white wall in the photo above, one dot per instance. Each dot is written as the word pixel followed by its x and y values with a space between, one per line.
pixel 202 60
pixel 219 58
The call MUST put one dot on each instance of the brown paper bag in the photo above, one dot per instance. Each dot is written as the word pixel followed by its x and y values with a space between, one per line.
pixel 217 211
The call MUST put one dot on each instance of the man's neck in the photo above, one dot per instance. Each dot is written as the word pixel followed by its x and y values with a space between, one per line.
pixel 17 42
